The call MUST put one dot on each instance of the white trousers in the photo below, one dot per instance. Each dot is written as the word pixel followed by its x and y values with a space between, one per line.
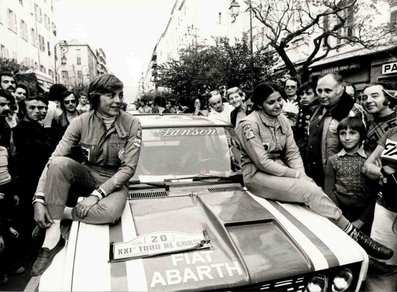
pixel 384 230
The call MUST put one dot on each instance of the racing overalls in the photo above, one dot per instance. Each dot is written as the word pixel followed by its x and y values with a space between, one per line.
pixel 110 160
pixel 273 168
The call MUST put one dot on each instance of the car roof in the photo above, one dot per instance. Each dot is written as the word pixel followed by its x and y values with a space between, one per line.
pixel 177 120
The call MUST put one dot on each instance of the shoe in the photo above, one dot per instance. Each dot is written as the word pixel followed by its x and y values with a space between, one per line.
pixel 19 271
pixel 380 268
pixel 372 247
pixel 3 280
pixel 45 257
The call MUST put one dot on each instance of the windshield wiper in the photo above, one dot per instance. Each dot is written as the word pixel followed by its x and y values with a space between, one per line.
pixel 207 177
pixel 155 184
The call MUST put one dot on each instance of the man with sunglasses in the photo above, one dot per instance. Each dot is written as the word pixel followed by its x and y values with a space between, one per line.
pixel 68 105
pixel 34 146
pixel 291 88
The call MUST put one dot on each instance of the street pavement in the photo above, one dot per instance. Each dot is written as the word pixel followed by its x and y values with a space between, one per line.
pixel 18 282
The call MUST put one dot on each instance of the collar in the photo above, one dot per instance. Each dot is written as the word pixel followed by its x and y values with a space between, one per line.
pixel 390 116
pixel 117 125
pixel 272 122
pixel 360 152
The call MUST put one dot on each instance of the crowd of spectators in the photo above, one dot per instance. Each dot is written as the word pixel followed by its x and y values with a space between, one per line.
pixel 30 128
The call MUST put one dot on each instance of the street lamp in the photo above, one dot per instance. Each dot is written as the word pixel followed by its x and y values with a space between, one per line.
pixel 63 58
pixel 234 11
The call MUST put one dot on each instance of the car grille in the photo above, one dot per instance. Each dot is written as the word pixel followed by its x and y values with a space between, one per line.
pixel 296 284
pixel 147 195
pixel 225 189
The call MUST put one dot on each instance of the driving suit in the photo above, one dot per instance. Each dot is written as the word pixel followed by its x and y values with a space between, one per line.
pixel 110 160
pixel 273 168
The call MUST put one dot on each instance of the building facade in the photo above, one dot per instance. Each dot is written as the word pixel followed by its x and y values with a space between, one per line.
pixel 194 22
pixel 78 63
pixel 28 35
pixel 191 23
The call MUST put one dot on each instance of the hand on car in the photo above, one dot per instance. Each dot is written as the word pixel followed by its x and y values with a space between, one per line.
pixel 41 215
pixel 14 233
pixel 85 205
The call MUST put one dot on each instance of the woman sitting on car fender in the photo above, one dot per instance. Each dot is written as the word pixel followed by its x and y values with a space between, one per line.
pixel 110 140
pixel 273 168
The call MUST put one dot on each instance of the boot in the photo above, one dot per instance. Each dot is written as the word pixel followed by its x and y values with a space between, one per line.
pixel 380 268
pixel 372 247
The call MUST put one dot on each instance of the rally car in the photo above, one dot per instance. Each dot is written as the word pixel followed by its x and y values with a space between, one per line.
pixel 190 224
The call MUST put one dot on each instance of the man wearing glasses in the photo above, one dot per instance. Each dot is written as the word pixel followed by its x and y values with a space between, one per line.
pixel 68 105
pixel 291 87
pixel 291 105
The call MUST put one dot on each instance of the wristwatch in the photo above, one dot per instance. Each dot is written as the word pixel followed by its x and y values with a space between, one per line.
pixel 38 198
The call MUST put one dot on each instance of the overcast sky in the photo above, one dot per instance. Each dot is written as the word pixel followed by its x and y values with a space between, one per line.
pixel 127 31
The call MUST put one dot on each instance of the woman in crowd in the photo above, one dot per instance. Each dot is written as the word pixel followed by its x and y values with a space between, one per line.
pixel 382 165
pixel 21 93
pixel 236 98
pixel 196 108
pixel 273 168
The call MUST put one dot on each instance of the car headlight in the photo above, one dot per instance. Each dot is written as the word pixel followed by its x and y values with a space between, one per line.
pixel 318 283
pixel 342 280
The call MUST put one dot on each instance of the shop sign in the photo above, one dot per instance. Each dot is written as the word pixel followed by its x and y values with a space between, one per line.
pixel 340 68
pixel 389 68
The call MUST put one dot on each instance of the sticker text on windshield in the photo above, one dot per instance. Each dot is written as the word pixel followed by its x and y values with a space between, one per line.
pixel 188 132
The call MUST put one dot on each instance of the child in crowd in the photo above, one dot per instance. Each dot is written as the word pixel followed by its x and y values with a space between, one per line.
pixel 308 102
pixel 9 236
pixel 345 183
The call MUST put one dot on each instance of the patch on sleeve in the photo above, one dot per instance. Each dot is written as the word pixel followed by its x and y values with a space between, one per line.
pixel 137 142
pixel 248 133
pixel 121 153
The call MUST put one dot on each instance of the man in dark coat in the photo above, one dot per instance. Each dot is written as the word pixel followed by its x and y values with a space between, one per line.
pixel 34 146
pixel 335 104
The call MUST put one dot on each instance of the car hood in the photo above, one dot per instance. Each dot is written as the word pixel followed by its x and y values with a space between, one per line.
pixel 252 241
pixel 242 237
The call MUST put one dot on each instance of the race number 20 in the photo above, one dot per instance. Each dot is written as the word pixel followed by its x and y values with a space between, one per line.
pixel 161 238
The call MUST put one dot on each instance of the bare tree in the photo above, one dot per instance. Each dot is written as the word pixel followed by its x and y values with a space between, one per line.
pixel 327 24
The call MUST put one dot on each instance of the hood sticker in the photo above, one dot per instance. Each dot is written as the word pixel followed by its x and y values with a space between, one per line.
pixel 152 244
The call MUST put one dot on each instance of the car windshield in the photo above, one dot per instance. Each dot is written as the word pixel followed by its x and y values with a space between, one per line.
pixel 190 151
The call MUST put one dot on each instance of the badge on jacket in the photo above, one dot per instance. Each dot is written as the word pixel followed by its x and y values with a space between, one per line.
pixel 121 153
pixel 137 142
pixel 248 133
